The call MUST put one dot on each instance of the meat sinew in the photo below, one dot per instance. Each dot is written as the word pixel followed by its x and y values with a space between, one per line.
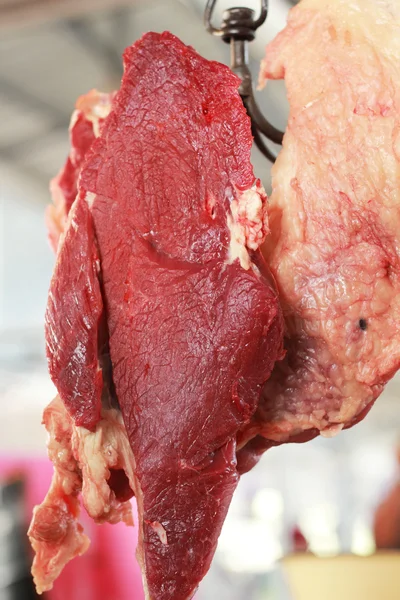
pixel 162 244
pixel 334 217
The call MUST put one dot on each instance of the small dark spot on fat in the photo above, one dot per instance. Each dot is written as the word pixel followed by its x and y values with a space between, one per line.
pixel 362 323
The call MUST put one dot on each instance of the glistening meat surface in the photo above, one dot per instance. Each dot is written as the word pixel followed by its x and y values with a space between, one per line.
pixel 169 217
pixel 335 216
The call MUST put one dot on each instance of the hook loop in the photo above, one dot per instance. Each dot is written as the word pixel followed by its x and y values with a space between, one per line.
pixel 238 23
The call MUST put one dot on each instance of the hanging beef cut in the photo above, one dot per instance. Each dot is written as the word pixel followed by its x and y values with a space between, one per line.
pixel 334 217
pixel 86 121
pixel 162 323
pixel 162 305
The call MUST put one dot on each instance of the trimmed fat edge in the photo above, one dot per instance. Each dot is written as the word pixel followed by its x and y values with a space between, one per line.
pixel 248 224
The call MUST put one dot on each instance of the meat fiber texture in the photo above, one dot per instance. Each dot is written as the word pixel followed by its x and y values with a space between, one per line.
pixel 335 217
pixel 161 251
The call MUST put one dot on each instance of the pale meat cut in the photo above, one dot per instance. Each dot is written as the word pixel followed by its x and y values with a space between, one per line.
pixel 335 217
pixel 86 121
pixel 161 250
pixel 83 462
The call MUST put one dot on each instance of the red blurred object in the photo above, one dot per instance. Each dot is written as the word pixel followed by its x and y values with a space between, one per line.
pixel 387 517
pixel 299 542
pixel 108 571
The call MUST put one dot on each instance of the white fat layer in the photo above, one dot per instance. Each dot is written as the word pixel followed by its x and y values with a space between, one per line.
pixel 247 223
pixel 95 106
pixel 74 118
pixel 97 452
pixel 96 126
pixel 82 461
pixel 332 430
pixel 90 198
pixel 160 531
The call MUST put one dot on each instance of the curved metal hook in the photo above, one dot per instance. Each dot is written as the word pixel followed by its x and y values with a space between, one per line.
pixel 261 145
pixel 208 16
pixel 263 14
pixel 208 12
pixel 238 28
pixel 260 121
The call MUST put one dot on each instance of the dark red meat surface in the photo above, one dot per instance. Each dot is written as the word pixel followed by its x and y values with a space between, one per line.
pixel 73 315
pixel 194 322
pixel 192 337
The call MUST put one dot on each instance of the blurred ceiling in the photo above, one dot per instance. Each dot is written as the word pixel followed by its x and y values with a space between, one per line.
pixel 55 50
pixel 18 13
pixel 48 64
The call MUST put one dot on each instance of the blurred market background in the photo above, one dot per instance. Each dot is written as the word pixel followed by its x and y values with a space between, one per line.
pixel 322 494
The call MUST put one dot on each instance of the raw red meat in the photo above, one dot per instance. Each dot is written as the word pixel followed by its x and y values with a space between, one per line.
pixel 334 217
pixel 86 122
pixel 168 202
pixel 73 317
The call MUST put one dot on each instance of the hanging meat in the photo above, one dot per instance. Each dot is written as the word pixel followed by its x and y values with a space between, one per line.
pixel 334 217
pixel 86 121
pixel 163 324
pixel 160 307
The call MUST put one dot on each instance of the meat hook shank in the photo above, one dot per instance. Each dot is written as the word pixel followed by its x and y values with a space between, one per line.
pixel 238 28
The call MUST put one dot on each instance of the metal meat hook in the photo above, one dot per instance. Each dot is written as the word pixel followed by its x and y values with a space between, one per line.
pixel 238 28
